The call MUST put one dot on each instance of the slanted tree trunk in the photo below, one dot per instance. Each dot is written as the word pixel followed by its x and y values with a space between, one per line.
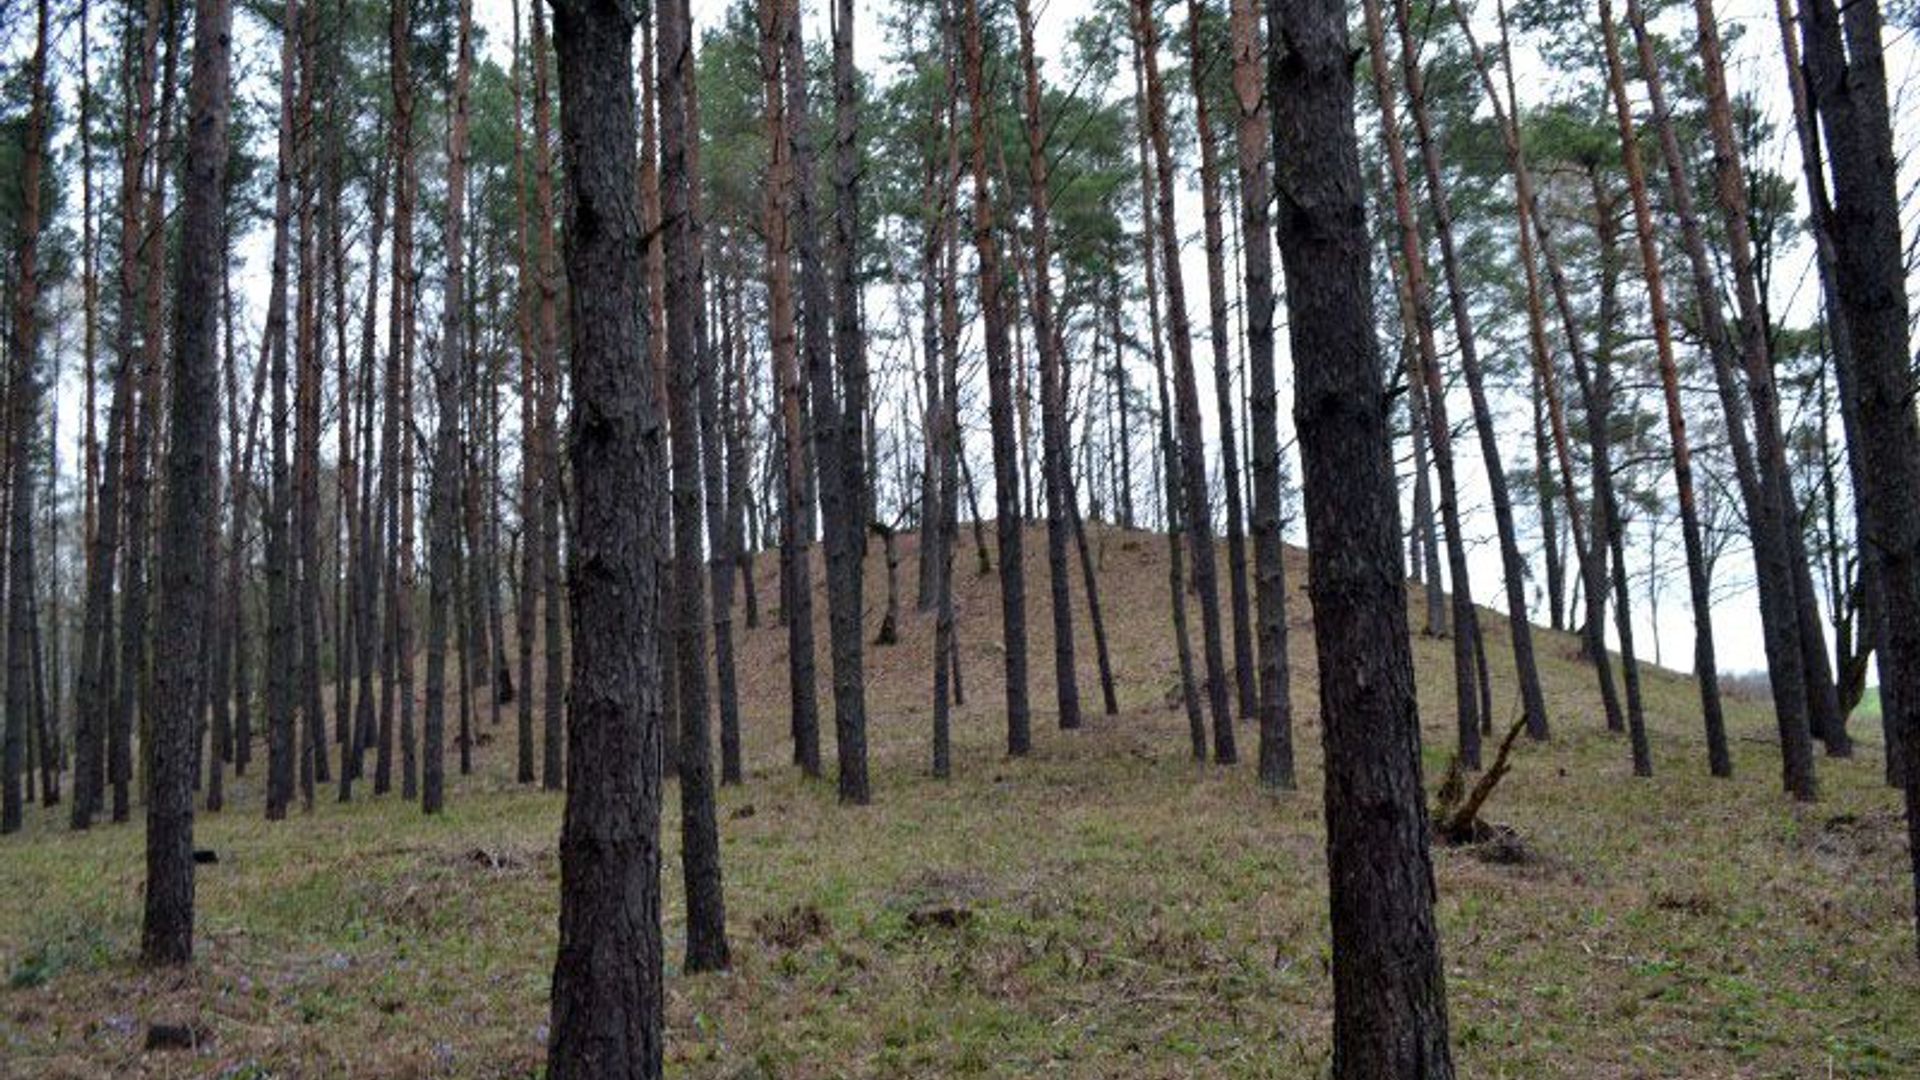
pixel 1193 456
pixel 1589 557
pixel 187 521
pixel 1466 628
pixel 1000 393
pixel 1390 1013
pixel 1519 624
pixel 1705 665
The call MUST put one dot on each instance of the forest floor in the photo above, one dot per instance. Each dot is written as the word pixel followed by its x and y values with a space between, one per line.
pixel 1106 908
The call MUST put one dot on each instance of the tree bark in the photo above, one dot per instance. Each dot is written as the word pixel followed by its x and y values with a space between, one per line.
pixel 1390 1015
pixel 608 996
pixel 187 521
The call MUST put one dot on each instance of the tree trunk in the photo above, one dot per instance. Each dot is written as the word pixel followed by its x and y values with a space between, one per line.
pixel 608 996
pixel 24 405
pixel 699 832
pixel 448 379
pixel 1053 422
pixel 1220 340
pixel 1466 630
pixel 1705 666
pixel 1186 392
pixel 1000 360
pixel 1252 140
pixel 1390 1015
pixel 1847 80
pixel 187 521
pixel 1520 627
pixel 796 602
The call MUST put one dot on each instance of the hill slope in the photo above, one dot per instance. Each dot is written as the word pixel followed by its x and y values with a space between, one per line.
pixel 1105 908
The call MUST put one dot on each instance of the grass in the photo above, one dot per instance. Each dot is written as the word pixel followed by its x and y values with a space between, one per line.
pixel 1118 910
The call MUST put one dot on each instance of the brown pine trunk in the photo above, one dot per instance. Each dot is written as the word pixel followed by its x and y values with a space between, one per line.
pixel 1466 630
pixel 527 601
pixel 553 705
pixel 1705 666
pixel 1389 994
pixel 1520 627
pixel 608 996
pixel 1193 456
pixel 1221 342
pixel 1589 557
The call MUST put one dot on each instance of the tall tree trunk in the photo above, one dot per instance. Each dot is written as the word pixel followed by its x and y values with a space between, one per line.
pixel 24 405
pixel 527 601
pixel 1705 666
pixel 796 602
pixel 187 521
pixel 280 736
pixel 699 832
pixel 1000 392
pixel 553 705
pixel 1520 627
pixel 608 997
pixel 1596 386
pixel 1590 557
pixel 1252 142
pixel 1847 80
pixel 448 378
pixel 1390 1014
pixel 1186 391
pixel 1221 342
pixel 1466 625
pixel 843 500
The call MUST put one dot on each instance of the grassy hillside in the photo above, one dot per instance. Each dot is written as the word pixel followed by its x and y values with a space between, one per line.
pixel 1106 908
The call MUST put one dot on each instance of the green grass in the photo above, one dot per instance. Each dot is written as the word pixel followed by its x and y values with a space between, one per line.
pixel 1869 707
pixel 1129 913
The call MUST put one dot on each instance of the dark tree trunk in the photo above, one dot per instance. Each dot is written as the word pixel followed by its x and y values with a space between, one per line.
pixel 796 599
pixel 553 704
pixel 699 832
pixel 187 521
pixel 1001 405
pixel 607 985
pixel 1253 137
pixel 1390 1015
pixel 1847 80
pixel 837 424
pixel 1053 421
pixel 24 405
pixel 443 527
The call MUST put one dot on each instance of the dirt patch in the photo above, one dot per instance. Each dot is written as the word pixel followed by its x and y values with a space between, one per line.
pixel 794 927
